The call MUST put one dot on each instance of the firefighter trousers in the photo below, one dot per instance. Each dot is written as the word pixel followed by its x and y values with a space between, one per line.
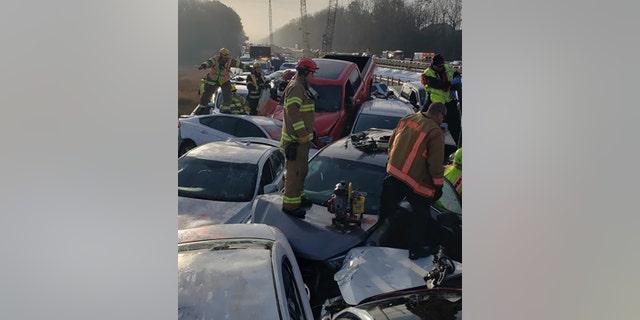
pixel 421 229
pixel 209 90
pixel 296 172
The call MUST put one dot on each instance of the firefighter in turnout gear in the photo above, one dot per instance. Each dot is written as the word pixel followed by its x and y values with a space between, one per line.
pixel 437 84
pixel 237 103
pixel 218 76
pixel 415 171
pixel 453 172
pixel 256 82
pixel 297 133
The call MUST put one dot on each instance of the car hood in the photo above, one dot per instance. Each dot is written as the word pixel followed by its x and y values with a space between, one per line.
pixel 197 212
pixel 371 271
pixel 314 237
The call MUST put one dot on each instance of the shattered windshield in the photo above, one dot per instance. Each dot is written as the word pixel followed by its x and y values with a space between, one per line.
pixel 325 172
pixel 216 180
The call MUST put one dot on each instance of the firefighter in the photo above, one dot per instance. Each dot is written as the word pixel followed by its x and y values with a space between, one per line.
pixel 415 171
pixel 437 84
pixel 237 103
pixel 255 83
pixel 453 172
pixel 297 133
pixel 218 76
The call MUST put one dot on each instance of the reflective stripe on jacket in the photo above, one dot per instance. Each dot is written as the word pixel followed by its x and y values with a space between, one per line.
pixel 436 91
pixel 254 85
pixel 416 150
pixel 218 73
pixel 298 116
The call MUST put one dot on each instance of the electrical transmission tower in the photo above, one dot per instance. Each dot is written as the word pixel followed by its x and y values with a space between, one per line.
pixel 327 38
pixel 306 51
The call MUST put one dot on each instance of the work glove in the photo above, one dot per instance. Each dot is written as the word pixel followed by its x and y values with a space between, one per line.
pixel 438 194
pixel 202 66
pixel 303 140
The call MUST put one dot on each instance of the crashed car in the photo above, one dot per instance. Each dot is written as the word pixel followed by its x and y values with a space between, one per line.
pixel 382 283
pixel 320 241
pixel 239 271
pixel 218 181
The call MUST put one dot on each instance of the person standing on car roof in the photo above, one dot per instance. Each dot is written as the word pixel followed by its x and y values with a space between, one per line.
pixel 297 133
pixel 237 103
pixel 219 76
pixel 437 84
pixel 415 171
pixel 255 83
pixel 453 172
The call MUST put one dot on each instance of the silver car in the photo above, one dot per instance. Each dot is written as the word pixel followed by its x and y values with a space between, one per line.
pixel 198 130
pixel 381 114
pixel 241 271
pixel 218 181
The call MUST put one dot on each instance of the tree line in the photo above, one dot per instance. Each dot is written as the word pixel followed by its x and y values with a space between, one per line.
pixel 363 25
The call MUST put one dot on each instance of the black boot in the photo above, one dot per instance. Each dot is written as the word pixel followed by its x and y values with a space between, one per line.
pixel 306 203
pixel 420 252
pixel 298 212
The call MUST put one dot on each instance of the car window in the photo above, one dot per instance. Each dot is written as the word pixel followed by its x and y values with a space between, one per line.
pixel 222 123
pixel 325 172
pixel 294 300
pixel 276 160
pixel 248 129
pixel 329 98
pixel 267 175
pixel 367 121
pixel 216 180
pixel 355 78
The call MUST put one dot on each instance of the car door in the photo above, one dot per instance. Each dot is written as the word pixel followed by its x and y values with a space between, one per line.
pixel 215 128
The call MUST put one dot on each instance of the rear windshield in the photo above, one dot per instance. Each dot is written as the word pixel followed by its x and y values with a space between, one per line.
pixel 367 121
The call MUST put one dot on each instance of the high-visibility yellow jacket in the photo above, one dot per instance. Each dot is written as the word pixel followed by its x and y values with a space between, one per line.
pixel 416 150
pixel 236 107
pixel 434 84
pixel 454 175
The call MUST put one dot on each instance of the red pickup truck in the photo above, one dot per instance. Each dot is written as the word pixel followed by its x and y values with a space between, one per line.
pixel 343 83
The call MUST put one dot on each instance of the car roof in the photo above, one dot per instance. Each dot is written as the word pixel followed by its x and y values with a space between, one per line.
pixel 229 231
pixel 231 151
pixel 345 148
pixel 386 107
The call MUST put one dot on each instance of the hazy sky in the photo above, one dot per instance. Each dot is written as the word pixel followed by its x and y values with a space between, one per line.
pixel 255 13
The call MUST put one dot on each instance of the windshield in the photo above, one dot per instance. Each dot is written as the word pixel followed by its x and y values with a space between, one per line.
pixel 216 180
pixel 367 121
pixel 226 280
pixel 325 173
pixel 329 98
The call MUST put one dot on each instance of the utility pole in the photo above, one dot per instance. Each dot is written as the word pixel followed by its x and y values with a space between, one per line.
pixel 270 26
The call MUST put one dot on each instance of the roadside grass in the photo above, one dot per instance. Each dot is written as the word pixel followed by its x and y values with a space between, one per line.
pixel 188 84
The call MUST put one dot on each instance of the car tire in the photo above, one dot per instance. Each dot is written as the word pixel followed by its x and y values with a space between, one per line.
pixel 185 147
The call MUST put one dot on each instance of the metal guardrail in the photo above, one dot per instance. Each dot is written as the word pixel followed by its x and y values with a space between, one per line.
pixel 390 81
pixel 417 66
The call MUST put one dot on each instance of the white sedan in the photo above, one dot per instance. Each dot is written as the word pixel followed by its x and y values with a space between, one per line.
pixel 198 130
pixel 241 271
